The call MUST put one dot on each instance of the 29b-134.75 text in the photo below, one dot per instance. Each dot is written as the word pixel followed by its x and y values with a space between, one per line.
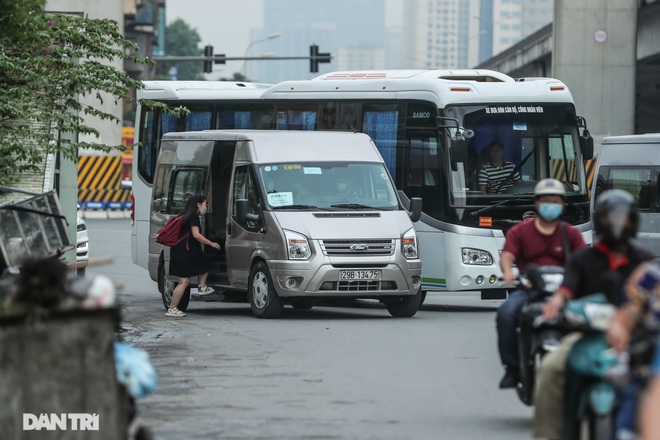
pixel 349 275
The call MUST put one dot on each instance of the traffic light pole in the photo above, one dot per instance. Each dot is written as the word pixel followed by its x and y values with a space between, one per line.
pixel 208 58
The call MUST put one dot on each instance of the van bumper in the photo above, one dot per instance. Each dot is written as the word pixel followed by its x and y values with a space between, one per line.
pixel 296 279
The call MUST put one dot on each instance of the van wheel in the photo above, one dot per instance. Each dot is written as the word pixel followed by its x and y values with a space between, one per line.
pixel 161 275
pixel 166 295
pixel 263 299
pixel 405 306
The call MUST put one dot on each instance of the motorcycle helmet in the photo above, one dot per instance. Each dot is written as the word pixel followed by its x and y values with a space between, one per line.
pixel 615 217
pixel 551 187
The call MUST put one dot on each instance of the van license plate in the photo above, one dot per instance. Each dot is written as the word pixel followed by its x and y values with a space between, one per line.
pixel 352 275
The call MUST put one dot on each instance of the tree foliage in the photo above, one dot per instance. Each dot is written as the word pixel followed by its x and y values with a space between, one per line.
pixel 182 40
pixel 48 61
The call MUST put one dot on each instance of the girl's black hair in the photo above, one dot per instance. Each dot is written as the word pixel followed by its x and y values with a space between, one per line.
pixel 190 207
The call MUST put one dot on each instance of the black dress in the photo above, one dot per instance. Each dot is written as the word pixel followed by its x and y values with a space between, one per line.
pixel 187 258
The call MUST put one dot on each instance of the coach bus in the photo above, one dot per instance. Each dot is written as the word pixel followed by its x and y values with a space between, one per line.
pixel 433 129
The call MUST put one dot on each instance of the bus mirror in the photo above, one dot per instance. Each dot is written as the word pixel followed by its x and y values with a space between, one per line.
pixel 587 145
pixel 459 150
pixel 415 209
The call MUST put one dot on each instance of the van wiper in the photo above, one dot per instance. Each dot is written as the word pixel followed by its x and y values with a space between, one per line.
pixel 354 206
pixel 296 207
pixel 473 214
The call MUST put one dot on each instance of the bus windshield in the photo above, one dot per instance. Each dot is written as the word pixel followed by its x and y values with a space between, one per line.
pixel 513 147
pixel 328 185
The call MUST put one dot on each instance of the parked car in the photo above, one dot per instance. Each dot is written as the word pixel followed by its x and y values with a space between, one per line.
pixel 82 246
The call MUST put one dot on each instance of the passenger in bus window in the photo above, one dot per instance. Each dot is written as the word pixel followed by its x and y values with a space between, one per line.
pixel 498 174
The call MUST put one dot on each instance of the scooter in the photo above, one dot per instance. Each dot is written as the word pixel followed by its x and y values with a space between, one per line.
pixel 591 394
pixel 536 336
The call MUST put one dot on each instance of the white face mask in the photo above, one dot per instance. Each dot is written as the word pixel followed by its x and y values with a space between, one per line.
pixel 203 210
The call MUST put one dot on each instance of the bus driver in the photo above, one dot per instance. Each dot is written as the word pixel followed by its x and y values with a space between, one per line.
pixel 498 174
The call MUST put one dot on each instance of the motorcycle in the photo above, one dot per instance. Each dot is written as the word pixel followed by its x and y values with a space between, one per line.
pixel 591 399
pixel 536 335
pixel 597 378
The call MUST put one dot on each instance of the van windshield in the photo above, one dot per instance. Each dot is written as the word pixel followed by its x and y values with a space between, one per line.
pixel 328 185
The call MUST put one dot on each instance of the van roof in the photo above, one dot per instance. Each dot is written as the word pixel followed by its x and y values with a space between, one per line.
pixel 285 145
pixel 648 138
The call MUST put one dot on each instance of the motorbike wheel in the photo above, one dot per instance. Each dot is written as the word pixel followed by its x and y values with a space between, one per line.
pixel 601 427
pixel 525 388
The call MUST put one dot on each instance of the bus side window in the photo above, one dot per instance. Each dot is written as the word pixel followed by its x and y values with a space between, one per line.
pixel 416 163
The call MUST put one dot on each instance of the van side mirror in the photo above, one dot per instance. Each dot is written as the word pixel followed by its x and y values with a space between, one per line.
pixel 415 209
pixel 242 212
pixel 587 145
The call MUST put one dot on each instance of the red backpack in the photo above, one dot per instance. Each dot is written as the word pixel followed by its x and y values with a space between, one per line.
pixel 168 235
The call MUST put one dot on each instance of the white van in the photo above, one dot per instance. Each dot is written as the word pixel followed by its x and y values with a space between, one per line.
pixel 632 163
pixel 301 216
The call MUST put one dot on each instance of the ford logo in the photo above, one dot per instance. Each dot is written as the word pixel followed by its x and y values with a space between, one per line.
pixel 359 247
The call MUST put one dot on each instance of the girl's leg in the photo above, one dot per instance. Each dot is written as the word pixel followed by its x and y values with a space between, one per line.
pixel 178 291
pixel 202 279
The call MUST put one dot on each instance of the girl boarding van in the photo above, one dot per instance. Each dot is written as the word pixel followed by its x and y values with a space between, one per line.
pixel 301 217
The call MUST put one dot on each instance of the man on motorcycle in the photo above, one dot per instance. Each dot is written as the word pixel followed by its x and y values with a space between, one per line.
pixel 589 270
pixel 539 241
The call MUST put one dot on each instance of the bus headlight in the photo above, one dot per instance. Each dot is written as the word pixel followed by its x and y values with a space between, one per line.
pixel 476 257
pixel 409 247
pixel 297 245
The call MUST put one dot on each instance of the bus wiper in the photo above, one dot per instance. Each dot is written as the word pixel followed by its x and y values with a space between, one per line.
pixel 354 206
pixel 581 212
pixel 473 214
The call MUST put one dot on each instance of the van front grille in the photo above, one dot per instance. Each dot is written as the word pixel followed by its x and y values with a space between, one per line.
pixel 357 247
pixel 358 286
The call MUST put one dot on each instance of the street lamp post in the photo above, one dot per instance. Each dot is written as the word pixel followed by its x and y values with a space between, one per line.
pixel 252 43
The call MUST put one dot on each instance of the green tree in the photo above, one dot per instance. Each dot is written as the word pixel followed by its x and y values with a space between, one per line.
pixel 182 40
pixel 48 61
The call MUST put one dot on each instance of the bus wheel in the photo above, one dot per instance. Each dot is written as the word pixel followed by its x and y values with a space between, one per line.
pixel 263 299
pixel 405 306
pixel 168 288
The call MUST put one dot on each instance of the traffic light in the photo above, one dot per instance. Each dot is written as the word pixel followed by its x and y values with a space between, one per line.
pixel 315 58
pixel 208 60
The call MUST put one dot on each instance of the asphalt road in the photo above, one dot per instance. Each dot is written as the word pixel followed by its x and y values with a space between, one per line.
pixel 342 371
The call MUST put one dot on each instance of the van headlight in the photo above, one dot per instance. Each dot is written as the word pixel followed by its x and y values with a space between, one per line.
pixel 476 257
pixel 409 247
pixel 297 245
